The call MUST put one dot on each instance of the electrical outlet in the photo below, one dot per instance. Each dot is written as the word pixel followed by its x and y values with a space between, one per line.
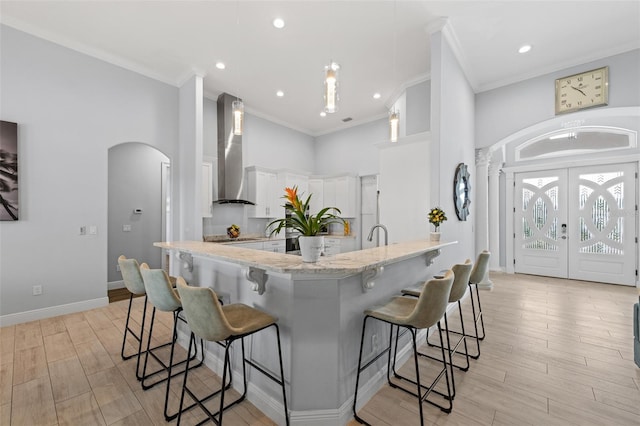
pixel 117 268
pixel 126 228
pixel 93 230
pixel 374 341
pixel 37 290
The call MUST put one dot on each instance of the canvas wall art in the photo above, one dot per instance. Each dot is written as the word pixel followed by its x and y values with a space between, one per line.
pixel 8 170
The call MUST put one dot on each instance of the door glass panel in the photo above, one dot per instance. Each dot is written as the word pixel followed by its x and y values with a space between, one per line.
pixel 601 199
pixel 539 221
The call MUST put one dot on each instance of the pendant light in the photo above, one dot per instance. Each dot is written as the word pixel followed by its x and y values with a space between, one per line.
pixel 394 125
pixel 331 87
pixel 237 110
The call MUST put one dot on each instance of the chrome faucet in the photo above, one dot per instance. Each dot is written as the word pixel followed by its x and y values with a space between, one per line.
pixel 386 233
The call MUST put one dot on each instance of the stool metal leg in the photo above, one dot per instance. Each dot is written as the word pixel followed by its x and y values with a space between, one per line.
pixel 139 338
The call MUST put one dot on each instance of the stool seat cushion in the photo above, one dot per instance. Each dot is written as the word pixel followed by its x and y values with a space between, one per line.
pixel 211 321
pixel 422 312
pixel 244 319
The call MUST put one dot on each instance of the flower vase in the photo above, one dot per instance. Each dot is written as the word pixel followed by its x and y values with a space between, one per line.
pixel 311 247
pixel 435 236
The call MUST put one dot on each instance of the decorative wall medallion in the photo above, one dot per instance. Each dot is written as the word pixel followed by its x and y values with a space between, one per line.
pixel 462 191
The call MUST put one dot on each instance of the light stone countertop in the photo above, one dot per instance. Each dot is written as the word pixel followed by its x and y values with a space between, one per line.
pixel 340 264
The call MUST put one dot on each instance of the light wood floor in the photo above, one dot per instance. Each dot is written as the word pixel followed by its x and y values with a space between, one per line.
pixel 557 352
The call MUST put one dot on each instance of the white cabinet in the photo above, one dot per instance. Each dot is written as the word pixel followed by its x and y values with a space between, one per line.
pixel 316 188
pixel 340 192
pixel 291 179
pixel 335 245
pixel 277 246
pixel 207 188
pixel 262 188
pixel 331 246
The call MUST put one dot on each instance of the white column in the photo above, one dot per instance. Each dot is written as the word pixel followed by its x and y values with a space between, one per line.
pixel 483 224
pixel 495 165
pixel 481 209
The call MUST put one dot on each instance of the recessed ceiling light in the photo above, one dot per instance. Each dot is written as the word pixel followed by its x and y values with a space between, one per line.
pixel 376 95
pixel 525 48
pixel 220 65
pixel 323 114
pixel 278 23
pixel 279 93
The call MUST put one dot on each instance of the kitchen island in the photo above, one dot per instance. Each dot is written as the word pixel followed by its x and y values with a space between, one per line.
pixel 320 309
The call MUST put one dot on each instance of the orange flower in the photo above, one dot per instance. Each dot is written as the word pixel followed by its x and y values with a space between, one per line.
pixel 292 197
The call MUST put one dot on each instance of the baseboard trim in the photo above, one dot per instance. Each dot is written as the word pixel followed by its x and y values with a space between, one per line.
pixel 115 285
pixel 52 311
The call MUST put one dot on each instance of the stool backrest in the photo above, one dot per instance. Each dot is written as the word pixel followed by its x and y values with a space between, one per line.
pixel 461 272
pixel 130 270
pixel 204 312
pixel 159 289
pixel 432 302
pixel 480 268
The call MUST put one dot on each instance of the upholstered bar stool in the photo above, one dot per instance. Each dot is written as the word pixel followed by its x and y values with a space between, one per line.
pixel 413 314
pixel 130 270
pixel 163 297
pixel 211 321
pixel 461 272
pixel 478 272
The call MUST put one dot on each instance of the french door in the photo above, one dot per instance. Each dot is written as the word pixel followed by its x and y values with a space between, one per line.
pixel 577 223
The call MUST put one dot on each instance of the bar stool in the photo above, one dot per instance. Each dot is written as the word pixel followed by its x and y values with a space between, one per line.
pixel 461 274
pixel 211 321
pixel 130 270
pixel 163 297
pixel 413 314
pixel 478 273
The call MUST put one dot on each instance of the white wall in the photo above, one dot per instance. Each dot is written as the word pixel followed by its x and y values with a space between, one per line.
pixel 352 150
pixel 70 109
pixel 503 111
pixel 452 129
pixel 418 108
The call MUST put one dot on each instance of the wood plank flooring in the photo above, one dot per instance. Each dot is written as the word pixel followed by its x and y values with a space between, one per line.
pixel 557 352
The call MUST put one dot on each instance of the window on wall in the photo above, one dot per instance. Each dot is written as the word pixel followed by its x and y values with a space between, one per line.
pixel 576 141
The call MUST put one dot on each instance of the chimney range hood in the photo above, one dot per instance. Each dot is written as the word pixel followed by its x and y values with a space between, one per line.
pixel 230 167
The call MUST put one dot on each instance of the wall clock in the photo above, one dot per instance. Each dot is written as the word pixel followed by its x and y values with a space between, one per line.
pixel 462 191
pixel 585 90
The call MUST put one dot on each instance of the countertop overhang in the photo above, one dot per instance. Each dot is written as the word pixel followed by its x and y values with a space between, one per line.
pixel 340 264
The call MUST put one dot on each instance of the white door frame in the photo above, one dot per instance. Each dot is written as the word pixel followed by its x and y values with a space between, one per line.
pixel 510 196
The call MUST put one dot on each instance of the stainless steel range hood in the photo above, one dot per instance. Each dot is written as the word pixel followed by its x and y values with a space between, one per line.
pixel 230 167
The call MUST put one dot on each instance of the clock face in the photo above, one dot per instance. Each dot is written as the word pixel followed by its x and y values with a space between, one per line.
pixel 584 90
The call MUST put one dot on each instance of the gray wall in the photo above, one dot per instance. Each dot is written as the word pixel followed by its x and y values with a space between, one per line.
pixel 503 111
pixel 134 182
pixel 418 108
pixel 352 150
pixel 71 109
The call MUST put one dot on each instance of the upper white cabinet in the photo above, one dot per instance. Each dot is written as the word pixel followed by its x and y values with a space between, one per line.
pixel 340 192
pixel 262 189
pixel 288 179
pixel 316 188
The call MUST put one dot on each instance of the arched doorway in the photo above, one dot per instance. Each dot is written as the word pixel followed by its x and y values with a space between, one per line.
pixel 137 197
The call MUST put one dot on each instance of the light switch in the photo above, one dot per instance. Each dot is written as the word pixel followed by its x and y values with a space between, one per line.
pixel 126 228
pixel 93 230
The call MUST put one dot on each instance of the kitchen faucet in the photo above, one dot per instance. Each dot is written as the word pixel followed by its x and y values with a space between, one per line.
pixel 386 233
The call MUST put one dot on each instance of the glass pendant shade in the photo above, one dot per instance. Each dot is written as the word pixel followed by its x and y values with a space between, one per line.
pixel 331 87
pixel 237 108
pixel 394 125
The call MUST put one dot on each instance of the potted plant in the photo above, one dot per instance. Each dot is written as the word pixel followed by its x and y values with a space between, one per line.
pixel 436 216
pixel 311 244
